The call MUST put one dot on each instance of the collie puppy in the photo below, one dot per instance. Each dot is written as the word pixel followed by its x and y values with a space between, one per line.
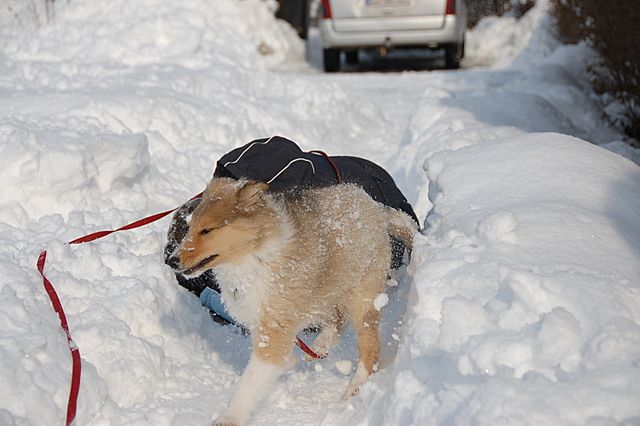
pixel 286 261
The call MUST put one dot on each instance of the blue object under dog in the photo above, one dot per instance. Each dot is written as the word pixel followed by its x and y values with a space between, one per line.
pixel 211 299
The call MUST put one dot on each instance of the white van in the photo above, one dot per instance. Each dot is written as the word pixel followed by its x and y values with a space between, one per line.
pixel 350 25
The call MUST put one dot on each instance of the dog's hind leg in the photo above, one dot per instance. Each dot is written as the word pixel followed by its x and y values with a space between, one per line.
pixel 365 320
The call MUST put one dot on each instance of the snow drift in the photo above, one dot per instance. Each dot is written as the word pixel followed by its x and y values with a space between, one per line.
pixel 524 308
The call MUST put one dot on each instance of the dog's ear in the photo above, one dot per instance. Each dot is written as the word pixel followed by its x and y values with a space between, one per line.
pixel 252 191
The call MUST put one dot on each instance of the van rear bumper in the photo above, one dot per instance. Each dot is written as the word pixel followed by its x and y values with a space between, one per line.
pixel 451 32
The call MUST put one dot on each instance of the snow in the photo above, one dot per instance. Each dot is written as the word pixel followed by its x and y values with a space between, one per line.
pixel 380 301
pixel 505 311
pixel 344 367
pixel 521 302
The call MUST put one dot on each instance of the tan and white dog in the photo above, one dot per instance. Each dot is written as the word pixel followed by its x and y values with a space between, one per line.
pixel 286 261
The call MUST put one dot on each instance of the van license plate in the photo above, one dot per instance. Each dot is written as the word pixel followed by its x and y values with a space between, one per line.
pixel 384 3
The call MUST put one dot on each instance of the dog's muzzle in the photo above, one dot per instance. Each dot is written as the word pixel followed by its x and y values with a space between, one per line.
pixel 198 265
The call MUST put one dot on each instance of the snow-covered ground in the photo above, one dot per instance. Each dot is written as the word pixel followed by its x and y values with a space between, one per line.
pixel 521 304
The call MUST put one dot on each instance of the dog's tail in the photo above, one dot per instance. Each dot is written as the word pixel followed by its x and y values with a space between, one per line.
pixel 401 226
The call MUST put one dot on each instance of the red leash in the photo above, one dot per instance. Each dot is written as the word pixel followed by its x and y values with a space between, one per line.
pixel 57 306
pixel 307 350
pixel 75 352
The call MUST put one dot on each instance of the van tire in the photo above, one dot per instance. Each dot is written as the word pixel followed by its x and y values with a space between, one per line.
pixel 351 57
pixel 331 59
pixel 452 56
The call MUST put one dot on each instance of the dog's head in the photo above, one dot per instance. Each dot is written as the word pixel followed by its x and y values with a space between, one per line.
pixel 230 222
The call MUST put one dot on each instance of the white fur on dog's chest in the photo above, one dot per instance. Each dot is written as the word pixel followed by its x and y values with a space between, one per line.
pixel 244 287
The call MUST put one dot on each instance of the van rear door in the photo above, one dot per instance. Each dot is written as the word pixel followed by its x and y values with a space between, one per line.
pixel 393 15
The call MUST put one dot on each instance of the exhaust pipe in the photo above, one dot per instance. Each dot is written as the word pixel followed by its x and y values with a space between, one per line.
pixel 383 50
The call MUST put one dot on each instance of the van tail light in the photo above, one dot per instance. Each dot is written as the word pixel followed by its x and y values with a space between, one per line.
pixel 451 7
pixel 326 9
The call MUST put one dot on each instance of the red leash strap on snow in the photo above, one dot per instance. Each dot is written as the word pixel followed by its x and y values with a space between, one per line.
pixel 75 352
pixel 136 224
pixel 330 160
pixel 307 350
pixel 132 225
pixel 57 306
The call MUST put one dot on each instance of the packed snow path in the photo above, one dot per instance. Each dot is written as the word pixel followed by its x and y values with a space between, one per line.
pixel 520 306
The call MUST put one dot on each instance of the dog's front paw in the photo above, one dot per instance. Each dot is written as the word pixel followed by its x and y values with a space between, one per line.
pixel 225 421
pixel 352 390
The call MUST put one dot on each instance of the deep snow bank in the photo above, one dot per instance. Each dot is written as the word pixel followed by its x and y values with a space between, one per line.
pixel 525 305
pixel 230 33
pixel 528 46
pixel 523 81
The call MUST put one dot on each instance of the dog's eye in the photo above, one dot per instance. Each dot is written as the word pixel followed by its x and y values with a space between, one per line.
pixel 205 231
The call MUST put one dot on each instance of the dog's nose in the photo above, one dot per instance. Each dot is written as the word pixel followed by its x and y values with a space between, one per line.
pixel 174 262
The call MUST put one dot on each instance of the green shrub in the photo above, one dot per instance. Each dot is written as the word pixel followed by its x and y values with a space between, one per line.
pixel 611 28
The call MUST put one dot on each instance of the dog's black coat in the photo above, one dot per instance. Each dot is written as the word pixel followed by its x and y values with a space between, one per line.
pixel 262 159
